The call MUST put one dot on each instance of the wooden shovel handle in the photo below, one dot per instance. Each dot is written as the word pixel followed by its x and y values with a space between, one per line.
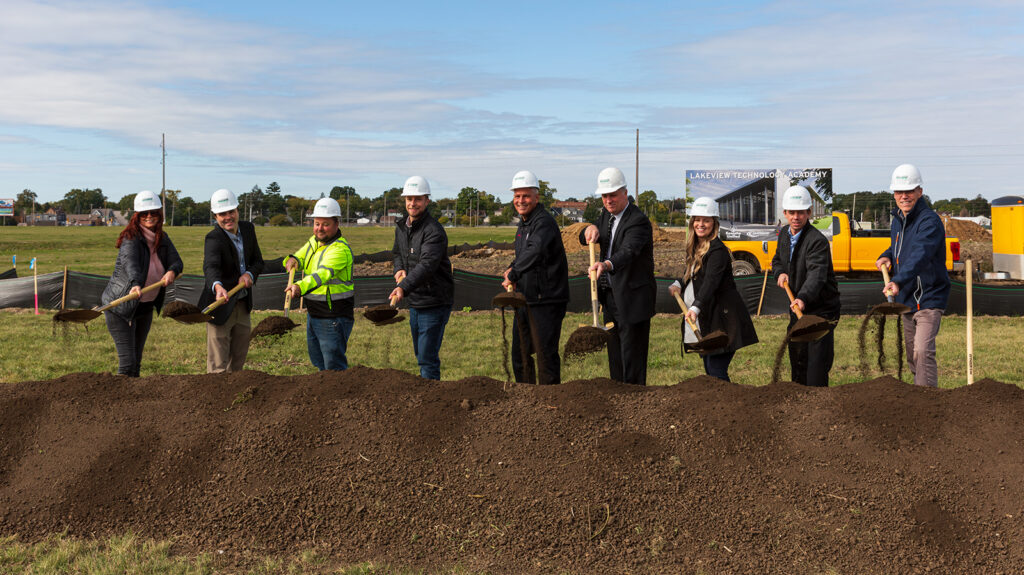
pixel 288 296
pixel 131 296
pixel 789 292
pixel 395 298
pixel 885 276
pixel 219 302
pixel 690 322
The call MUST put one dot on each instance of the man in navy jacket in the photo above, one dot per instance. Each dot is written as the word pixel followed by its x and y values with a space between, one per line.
pixel 919 279
pixel 541 272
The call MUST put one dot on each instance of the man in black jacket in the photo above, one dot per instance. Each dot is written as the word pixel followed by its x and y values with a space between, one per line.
pixel 541 272
pixel 231 257
pixel 423 273
pixel 803 258
pixel 626 285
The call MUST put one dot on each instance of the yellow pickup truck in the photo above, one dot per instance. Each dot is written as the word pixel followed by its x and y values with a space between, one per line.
pixel 853 250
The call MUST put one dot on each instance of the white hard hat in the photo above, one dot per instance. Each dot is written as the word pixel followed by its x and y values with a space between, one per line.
pixel 326 208
pixel 524 179
pixel 416 186
pixel 796 198
pixel 146 201
pixel 704 207
pixel 610 180
pixel 223 201
pixel 905 177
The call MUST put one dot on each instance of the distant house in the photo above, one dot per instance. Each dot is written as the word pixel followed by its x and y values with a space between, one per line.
pixel 81 220
pixel 52 217
pixel 107 217
pixel 569 210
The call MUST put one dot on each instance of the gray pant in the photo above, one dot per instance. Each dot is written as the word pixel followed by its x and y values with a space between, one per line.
pixel 919 331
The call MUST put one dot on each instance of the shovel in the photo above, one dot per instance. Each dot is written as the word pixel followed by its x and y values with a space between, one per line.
pixel 204 316
pixel 890 307
pixel 589 338
pixel 714 340
pixel 509 298
pixel 807 327
pixel 85 315
pixel 383 314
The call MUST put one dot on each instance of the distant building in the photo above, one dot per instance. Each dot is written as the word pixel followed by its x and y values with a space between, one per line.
pixel 51 217
pixel 569 210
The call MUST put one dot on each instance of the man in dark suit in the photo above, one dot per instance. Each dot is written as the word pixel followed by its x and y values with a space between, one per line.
pixel 231 257
pixel 803 259
pixel 626 285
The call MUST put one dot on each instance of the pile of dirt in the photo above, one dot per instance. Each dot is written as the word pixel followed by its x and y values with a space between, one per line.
pixel 965 230
pixel 273 325
pixel 585 477
pixel 571 238
pixel 178 308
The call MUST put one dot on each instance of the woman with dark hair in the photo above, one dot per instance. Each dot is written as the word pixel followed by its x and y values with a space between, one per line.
pixel 145 256
pixel 709 291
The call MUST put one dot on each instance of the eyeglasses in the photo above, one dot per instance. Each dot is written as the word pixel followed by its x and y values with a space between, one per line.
pixel 149 214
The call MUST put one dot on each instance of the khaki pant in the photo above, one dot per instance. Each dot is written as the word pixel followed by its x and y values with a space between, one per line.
pixel 227 345
pixel 919 331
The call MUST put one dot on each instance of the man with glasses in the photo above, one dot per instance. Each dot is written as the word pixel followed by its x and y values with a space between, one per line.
pixel 231 257
pixel 917 257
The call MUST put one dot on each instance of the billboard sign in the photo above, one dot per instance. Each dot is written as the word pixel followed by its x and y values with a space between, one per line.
pixel 753 196
pixel 6 206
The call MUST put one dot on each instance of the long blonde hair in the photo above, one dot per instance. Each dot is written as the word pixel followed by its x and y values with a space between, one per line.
pixel 695 249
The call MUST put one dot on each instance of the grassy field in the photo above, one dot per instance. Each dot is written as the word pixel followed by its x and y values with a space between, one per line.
pixel 473 346
pixel 91 249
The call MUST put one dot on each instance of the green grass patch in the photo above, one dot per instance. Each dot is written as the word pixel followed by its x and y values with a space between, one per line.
pixel 91 249
pixel 32 350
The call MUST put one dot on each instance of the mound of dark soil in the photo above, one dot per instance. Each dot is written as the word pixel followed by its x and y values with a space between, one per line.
pixel 178 308
pixel 273 325
pixel 585 477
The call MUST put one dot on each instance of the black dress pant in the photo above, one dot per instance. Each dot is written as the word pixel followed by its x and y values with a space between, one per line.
pixel 130 338
pixel 536 329
pixel 627 346
pixel 810 362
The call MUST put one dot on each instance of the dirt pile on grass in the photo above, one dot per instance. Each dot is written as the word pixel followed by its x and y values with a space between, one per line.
pixel 965 230
pixel 571 238
pixel 586 477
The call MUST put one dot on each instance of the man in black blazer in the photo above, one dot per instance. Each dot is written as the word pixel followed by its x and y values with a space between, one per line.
pixel 231 257
pixel 803 259
pixel 626 285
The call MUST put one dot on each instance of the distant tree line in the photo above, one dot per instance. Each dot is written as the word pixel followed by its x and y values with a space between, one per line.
pixel 271 206
pixel 877 206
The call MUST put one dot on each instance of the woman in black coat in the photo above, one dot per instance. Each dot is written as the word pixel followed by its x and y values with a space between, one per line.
pixel 710 292
pixel 145 256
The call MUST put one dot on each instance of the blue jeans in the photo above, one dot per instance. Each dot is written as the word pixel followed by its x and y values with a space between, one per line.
pixel 327 340
pixel 427 326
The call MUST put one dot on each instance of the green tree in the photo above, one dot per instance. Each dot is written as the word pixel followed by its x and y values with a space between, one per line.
pixel 273 200
pixel 279 220
pixel 299 207
pixel 126 204
pixel 26 202
pixel 79 201
pixel 547 194
pixel 593 210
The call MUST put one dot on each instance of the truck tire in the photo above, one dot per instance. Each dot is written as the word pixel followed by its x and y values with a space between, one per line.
pixel 743 268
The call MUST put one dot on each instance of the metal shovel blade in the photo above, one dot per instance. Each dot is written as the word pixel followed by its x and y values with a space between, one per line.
pixel 509 299
pixel 380 313
pixel 191 318
pixel 891 308
pixel 76 315
pixel 390 320
pixel 585 340
pixel 809 328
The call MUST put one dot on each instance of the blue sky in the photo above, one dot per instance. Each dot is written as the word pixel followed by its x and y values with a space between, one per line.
pixel 317 94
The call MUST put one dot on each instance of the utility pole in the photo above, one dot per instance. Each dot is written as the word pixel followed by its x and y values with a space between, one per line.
pixel 636 190
pixel 163 170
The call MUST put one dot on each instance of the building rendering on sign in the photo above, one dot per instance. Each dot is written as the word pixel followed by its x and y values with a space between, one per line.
pixel 751 196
